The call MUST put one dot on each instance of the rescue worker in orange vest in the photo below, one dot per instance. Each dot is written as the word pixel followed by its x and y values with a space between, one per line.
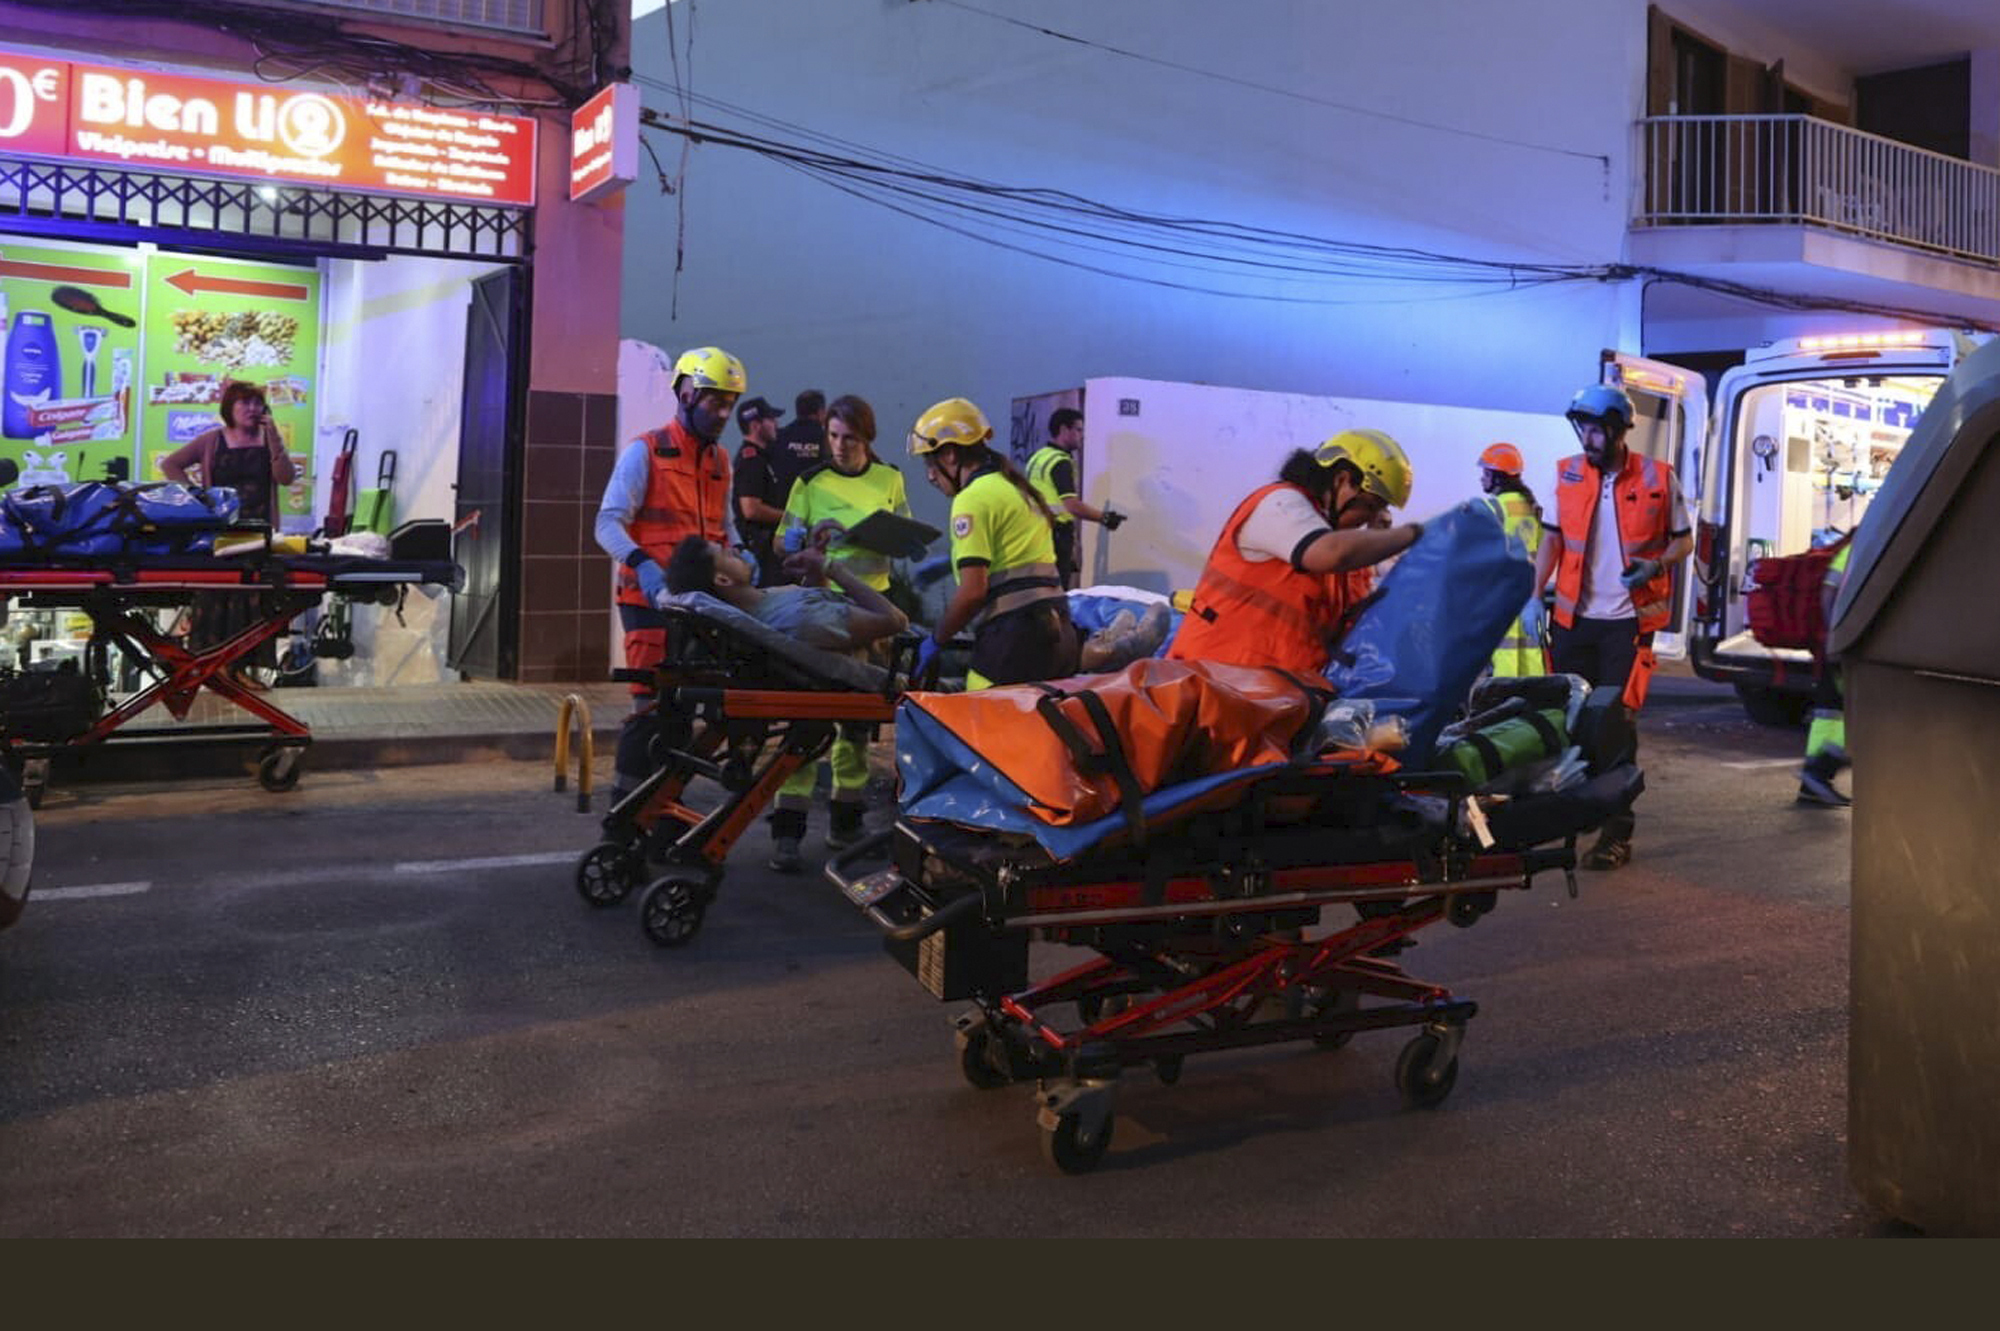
pixel 1291 560
pixel 1620 529
pixel 669 484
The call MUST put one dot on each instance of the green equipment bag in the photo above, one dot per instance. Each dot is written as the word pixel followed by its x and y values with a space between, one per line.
pixel 1502 747
pixel 373 510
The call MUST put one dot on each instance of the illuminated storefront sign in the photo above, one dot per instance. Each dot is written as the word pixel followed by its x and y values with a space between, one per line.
pixel 211 127
pixel 604 143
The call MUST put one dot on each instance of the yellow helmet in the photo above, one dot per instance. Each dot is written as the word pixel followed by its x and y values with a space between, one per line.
pixel 1384 466
pixel 952 421
pixel 711 367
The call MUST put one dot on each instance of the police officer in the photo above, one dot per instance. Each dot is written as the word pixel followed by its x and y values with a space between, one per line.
pixel 1052 471
pixel 1004 551
pixel 669 483
pixel 1522 651
pixel 760 504
pixel 801 446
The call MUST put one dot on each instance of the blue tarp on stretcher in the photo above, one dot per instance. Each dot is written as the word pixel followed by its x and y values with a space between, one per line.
pixel 1432 624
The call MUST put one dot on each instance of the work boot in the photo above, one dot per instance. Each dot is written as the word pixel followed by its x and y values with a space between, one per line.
pixel 1610 852
pixel 785 857
pixel 845 827
pixel 788 828
pixel 1816 781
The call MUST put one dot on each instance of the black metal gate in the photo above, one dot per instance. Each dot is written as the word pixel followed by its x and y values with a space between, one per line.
pixel 485 618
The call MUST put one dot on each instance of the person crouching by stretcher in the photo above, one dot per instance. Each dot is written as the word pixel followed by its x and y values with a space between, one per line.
pixel 1294 557
pixel 669 483
pixel 1003 547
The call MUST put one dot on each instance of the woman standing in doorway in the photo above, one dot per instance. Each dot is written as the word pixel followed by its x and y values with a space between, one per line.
pixel 245 454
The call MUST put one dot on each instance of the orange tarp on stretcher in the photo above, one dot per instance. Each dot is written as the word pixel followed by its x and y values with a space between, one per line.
pixel 1170 722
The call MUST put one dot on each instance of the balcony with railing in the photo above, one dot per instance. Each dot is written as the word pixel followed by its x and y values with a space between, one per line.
pixel 1797 170
pixel 523 17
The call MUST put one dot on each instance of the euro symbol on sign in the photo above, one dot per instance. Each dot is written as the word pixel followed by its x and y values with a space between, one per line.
pixel 23 93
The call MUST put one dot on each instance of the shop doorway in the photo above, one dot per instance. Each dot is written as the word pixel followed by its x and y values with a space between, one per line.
pixel 484 637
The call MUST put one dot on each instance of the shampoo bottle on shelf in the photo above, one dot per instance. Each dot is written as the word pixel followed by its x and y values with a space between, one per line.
pixel 33 371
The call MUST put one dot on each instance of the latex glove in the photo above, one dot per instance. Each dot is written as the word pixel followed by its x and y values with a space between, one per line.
pixel 1639 572
pixel 1113 519
pixel 927 654
pixel 794 540
pixel 652 581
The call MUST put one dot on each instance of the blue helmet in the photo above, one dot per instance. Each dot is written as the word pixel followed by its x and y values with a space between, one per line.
pixel 1602 403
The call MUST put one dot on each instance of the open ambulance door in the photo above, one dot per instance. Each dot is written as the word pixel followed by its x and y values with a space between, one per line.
pixel 1670 406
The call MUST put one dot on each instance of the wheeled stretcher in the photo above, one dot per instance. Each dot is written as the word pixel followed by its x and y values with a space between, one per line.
pixel 744 707
pixel 1269 907
pixel 119 597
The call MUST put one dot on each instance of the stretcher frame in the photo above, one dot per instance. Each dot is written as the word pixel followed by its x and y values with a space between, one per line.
pixel 749 741
pixel 114 600
pixel 1191 959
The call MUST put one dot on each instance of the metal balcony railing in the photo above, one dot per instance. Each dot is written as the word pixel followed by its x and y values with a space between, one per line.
pixel 1736 170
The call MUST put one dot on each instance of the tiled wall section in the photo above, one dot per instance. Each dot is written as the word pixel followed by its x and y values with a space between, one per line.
pixel 565 592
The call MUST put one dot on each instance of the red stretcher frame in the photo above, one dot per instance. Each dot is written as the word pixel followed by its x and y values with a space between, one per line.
pixel 112 600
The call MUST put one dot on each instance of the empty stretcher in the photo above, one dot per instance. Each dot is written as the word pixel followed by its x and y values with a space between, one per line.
pixel 120 595
pixel 745 707
pixel 1237 887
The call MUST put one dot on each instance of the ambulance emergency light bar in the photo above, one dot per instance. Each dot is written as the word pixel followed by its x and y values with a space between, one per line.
pixel 1909 337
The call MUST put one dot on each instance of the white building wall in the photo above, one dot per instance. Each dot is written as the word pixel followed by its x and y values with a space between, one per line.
pixel 1499 132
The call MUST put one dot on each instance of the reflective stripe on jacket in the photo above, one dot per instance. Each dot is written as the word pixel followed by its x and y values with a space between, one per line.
pixel 1256 612
pixel 1644 492
pixel 1522 651
pixel 1042 475
pixel 687 494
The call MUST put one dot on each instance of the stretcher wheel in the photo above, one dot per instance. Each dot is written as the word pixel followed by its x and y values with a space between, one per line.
pixel 1465 908
pixel 1071 1149
pixel 1425 1085
pixel 1167 1067
pixel 604 876
pixel 975 1061
pixel 672 909
pixel 280 768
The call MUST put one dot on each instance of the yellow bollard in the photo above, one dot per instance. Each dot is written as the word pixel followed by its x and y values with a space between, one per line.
pixel 573 705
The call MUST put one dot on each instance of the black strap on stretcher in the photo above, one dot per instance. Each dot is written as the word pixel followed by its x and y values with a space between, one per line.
pixel 1109 758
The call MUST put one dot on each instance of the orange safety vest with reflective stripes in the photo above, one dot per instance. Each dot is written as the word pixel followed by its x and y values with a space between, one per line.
pixel 687 493
pixel 1644 493
pixel 1258 612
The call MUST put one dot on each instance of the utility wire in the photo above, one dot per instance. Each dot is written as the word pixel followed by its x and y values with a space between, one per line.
pixel 1601 159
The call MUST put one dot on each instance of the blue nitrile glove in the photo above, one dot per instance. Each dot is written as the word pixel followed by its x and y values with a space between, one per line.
pixel 652 581
pixel 928 572
pixel 927 654
pixel 795 540
pixel 1639 572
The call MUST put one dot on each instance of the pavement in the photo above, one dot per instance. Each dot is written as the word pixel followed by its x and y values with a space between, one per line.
pixel 407 725
pixel 376 1006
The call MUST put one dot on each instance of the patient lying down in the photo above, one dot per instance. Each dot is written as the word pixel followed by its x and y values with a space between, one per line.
pixel 844 620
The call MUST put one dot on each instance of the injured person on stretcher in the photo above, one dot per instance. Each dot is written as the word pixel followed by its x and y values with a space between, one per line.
pixel 847 615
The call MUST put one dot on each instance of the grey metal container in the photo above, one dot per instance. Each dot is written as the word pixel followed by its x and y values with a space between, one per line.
pixel 1917 631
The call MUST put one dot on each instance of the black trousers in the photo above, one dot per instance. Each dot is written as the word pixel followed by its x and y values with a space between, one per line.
pixel 1065 536
pixel 1602 651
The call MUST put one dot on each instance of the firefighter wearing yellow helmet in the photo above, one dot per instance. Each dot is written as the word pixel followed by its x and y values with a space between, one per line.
pixel 669 483
pixel 1003 549
pixel 1298 554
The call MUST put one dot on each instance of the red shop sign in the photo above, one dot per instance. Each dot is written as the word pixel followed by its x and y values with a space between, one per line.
pixel 262 131
pixel 34 105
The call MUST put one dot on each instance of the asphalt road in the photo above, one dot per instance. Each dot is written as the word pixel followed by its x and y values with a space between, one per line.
pixel 376 1006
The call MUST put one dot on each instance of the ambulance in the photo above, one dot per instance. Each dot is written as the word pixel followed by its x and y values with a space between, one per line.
pixel 1789 457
